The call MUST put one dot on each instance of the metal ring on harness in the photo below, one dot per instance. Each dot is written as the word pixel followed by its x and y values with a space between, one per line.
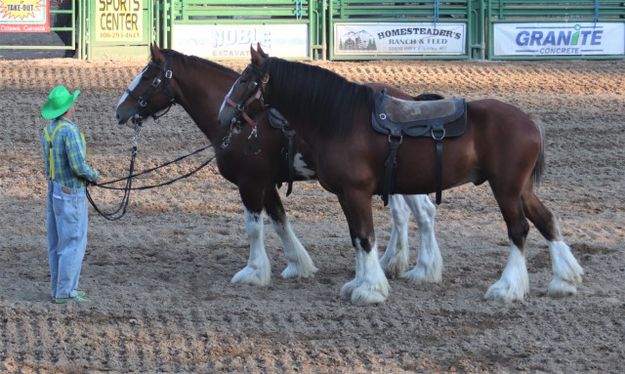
pixel 441 131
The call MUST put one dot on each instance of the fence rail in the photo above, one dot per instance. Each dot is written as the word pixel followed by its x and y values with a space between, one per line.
pixel 348 29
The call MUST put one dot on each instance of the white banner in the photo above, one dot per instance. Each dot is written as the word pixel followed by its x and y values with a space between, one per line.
pixel 559 39
pixel 399 39
pixel 233 41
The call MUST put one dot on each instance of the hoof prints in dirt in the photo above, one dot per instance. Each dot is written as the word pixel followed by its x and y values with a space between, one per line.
pixel 159 280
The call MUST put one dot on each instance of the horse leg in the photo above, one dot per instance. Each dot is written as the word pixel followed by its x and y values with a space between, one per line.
pixel 567 273
pixel 258 270
pixel 299 262
pixel 370 284
pixel 395 261
pixel 514 281
pixel 429 267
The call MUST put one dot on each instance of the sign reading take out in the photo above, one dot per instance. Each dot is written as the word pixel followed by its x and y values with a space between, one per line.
pixel 119 20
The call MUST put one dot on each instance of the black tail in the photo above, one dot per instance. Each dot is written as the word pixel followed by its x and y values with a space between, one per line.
pixel 539 167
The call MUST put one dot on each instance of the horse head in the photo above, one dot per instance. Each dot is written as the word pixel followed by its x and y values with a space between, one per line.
pixel 152 92
pixel 247 89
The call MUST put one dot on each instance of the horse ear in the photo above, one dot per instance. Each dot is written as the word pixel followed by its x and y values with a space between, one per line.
pixel 257 58
pixel 157 56
pixel 260 50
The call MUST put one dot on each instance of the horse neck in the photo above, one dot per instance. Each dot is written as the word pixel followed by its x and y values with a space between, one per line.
pixel 202 89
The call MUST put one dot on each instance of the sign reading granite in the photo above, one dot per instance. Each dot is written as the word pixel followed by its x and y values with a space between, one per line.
pixel 559 39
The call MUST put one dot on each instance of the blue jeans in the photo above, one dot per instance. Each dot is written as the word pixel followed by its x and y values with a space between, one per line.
pixel 67 237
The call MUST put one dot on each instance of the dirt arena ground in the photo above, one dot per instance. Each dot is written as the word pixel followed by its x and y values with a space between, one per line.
pixel 160 278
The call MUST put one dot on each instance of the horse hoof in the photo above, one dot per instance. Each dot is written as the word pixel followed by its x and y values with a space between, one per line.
pixel 366 294
pixel 561 288
pixel 252 276
pixel 504 292
pixel 393 267
pixel 299 271
pixel 348 288
pixel 420 274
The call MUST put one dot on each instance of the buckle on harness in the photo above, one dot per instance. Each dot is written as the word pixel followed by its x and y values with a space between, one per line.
pixel 440 131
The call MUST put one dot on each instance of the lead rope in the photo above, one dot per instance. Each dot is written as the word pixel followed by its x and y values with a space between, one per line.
pixel 120 211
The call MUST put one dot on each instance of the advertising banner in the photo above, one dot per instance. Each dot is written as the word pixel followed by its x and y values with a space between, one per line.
pixel 24 15
pixel 559 39
pixel 233 41
pixel 399 39
pixel 118 20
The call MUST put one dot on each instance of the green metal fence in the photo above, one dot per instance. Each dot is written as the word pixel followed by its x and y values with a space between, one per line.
pixel 343 29
pixel 540 29
pixel 425 29
pixel 225 26
pixel 118 31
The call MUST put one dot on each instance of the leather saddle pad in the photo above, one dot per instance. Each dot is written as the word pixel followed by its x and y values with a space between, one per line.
pixel 398 117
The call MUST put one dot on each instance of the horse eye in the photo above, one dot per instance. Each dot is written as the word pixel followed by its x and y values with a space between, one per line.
pixel 253 85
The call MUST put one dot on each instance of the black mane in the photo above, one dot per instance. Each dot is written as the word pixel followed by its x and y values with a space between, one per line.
pixel 316 95
pixel 186 59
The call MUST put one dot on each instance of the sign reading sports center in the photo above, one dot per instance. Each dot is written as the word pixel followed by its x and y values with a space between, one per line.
pixel 119 20
pixel 559 39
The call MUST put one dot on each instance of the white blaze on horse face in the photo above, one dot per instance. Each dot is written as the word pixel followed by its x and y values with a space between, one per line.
pixel 133 85
pixel 514 281
pixel 223 103
pixel 301 168
pixel 258 269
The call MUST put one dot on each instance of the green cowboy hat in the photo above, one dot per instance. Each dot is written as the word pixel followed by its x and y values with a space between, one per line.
pixel 59 101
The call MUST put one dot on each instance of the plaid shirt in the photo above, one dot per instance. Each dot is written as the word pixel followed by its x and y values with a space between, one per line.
pixel 69 153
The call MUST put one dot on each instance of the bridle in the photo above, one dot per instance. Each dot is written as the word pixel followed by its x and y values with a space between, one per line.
pixel 159 83
pixel 258 94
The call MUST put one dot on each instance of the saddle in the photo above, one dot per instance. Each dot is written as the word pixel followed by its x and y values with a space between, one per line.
pixel 277 121
pixel 429 117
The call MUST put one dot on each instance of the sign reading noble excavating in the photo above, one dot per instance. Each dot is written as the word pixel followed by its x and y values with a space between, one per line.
pixel 559 39
pixel 399 39
pixel 233 41
pixel 118 20
pixel 24 16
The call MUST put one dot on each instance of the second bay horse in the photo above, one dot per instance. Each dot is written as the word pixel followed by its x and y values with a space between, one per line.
pixel 501 146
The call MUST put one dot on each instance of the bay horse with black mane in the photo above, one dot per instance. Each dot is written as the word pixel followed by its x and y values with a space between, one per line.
pixel 199 86
pixel 500 144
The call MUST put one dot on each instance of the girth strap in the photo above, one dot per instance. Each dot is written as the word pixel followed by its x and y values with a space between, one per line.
pixel 277 121
pixel 390 167
pixel 438 155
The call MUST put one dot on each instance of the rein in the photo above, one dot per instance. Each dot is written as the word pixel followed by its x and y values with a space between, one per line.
pixel 120 211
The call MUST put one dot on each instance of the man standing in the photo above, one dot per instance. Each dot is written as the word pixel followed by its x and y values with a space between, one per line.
pixel 64 151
